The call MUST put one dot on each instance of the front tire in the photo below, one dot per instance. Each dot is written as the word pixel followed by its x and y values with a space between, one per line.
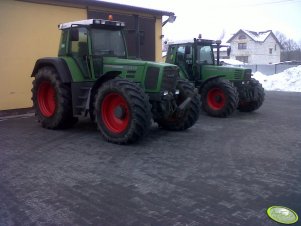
pixel 52 100
pixel 190 115
pixel 219 97
pixel 248 106
pixel 123 111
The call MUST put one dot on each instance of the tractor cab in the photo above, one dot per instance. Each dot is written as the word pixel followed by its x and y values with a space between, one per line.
pixel 80 40
pixel 194 56
pixel 198 63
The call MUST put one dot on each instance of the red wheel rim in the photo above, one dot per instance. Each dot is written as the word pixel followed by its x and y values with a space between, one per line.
pixel 115 113
pixel 46 99
pixel 216 98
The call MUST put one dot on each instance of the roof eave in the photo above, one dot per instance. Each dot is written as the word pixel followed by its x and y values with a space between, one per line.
pixel 96 3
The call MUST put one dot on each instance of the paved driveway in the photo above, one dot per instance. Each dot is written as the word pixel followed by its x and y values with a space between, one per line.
pixel 219 172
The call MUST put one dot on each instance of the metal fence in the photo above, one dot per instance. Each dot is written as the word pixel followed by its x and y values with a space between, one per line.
pixel 269 69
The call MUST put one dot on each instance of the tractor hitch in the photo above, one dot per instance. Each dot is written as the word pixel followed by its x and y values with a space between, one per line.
pixel 184 105
pixel 180 110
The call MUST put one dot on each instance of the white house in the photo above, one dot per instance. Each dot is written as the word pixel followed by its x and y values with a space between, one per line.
pixel 255 47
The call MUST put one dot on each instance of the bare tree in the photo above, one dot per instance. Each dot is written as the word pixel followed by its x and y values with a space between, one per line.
pixel 288 44
pixel 291 49
pixel 291 45
pixel 281 38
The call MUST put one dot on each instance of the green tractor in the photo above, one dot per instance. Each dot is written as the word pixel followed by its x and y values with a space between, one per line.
pixel 93 76
pixel 223 89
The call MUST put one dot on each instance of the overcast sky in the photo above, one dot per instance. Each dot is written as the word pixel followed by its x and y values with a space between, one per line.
pixel 211 17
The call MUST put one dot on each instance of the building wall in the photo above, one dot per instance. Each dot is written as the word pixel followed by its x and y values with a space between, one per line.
pixel 28 31
pixel 261 54
pixel 158 39
pixel 235 52
pixel 257 52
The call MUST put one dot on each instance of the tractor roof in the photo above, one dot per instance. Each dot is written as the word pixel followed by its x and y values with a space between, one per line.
pixel 179 42
pixel 89 22
pixel 199 41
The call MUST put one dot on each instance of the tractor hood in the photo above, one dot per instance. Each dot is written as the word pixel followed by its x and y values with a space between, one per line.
pixel 232 73
pixel 132 69
pixel 123 63
pixel 149 74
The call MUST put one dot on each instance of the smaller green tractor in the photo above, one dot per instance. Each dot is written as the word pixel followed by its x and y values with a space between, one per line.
pixel 93 75
pixel 223 89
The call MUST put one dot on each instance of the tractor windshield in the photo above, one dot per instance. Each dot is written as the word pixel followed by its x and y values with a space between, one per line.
pixel 205 55
pixel 108 42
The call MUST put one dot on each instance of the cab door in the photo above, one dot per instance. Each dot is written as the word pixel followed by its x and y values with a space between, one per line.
pixel 182 55
pixel 79 49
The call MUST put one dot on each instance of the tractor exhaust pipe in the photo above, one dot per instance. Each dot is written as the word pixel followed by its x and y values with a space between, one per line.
pixel 218 43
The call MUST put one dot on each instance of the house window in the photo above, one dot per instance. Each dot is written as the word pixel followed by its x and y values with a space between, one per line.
pixel 242 36
pixel 242 58
pixel 242 45
pixel 275 47
pixel 270 50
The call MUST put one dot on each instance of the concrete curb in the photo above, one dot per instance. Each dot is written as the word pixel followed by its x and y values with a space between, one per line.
pixel 16 113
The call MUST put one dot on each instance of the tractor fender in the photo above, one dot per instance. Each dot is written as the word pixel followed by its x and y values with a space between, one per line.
pixel 104 78
pixel 58 63
pixel 206 81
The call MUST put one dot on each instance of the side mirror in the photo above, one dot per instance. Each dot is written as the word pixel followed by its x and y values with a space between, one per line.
pixel 187 50
pixel 74 34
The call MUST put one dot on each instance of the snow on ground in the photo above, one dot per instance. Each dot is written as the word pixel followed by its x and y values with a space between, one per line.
pixel 288 80
pixel 232 62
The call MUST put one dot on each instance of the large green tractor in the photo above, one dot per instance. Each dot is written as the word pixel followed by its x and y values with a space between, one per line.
pixel 93 76
pixel 223 89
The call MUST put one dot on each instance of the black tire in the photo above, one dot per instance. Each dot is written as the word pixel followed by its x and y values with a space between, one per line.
pixel 123 111
pixel 244 106
pixel 191 114
pixel 52 100
pixel 219 97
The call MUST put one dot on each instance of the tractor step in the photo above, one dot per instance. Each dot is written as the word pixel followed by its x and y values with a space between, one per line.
pixel 81 97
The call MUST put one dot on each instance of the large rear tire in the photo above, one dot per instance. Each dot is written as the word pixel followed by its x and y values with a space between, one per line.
pixel 123 111
pixel 219 98
pixel 52 100
pixel 191 113
pixel 248 106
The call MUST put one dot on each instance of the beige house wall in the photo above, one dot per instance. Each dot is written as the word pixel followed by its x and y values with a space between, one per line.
pixel 28 31
pixel 158 41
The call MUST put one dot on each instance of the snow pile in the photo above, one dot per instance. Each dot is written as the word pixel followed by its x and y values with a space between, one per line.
pixel 288 80
pixel 232 62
